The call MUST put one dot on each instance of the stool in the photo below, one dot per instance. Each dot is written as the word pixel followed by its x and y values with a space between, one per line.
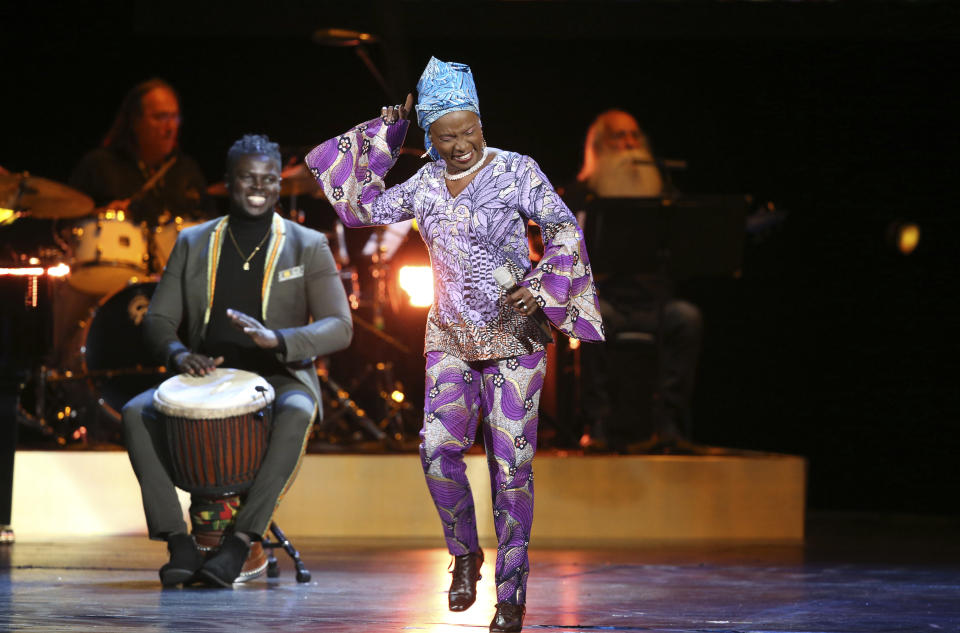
pixel 632 373
pixel 211 517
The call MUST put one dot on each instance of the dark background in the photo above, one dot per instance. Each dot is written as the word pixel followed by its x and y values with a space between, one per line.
pixel 832 345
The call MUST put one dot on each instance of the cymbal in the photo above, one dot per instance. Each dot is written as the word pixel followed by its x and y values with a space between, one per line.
pixel 297 181
pixel 42 198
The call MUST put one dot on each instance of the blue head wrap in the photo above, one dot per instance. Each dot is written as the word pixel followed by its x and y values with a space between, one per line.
pixel 444 87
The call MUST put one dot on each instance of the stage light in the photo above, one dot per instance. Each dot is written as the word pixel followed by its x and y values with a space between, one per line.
pixel 343 37
pixel 908 238
pixel 417 282
pixel 60 270
pixel 904 236
pixel 21 272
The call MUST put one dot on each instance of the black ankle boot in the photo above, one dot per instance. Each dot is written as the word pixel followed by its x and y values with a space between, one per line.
pixel 463 586
pixel 222 568
pixel 185 560
pixel 508 619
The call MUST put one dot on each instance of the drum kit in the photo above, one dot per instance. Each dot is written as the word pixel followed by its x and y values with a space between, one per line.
pixel 92 358
pixel 90 273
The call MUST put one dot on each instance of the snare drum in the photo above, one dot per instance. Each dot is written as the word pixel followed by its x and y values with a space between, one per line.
pixel 107 253
pixel 217 427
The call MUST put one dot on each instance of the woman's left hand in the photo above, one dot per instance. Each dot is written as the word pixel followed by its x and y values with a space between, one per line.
pixel 261 335
pixel 522 301
pixel 392 114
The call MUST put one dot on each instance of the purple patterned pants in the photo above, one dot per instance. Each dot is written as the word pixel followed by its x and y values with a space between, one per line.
pixel 507 393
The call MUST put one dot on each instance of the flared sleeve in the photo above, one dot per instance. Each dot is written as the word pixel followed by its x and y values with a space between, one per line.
pixel 562 282
pixel 351 168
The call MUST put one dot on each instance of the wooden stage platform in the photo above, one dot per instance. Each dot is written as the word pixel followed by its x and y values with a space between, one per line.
pixel 581 500
pixel 851 576
pixel 705 544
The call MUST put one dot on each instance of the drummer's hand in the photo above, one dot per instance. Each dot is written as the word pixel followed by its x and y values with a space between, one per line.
pixel 522 301
pixel 262 336
pixel 119 205
pixel 196 364
pixel 392 114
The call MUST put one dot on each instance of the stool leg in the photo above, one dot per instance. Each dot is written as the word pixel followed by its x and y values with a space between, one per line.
pixel 303 575
pixel 273 569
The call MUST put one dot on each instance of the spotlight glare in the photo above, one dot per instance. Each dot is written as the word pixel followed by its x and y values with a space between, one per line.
pixel 417 282
pixel 60 270
pixel 908 238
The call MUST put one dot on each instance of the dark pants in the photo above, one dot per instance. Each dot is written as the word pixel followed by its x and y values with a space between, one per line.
pixel 293 415
pixel 681 331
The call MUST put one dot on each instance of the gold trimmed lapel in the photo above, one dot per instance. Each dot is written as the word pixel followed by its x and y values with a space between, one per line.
pixel 214 246
pixel 274 248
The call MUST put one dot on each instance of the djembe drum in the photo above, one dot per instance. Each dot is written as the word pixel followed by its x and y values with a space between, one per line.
pixel 217 428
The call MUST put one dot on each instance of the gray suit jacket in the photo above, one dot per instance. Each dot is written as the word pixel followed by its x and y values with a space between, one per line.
pixel 302 296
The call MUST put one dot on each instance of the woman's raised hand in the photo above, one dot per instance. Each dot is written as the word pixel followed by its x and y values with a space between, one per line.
pixel 392 114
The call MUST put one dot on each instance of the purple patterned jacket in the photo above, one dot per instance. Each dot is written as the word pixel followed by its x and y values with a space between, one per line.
pixel 468 237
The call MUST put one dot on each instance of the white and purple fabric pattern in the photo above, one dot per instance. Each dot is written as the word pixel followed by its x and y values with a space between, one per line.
pixel 506 394
pixel 468 237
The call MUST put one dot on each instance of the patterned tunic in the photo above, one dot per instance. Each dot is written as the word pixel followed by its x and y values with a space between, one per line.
pixel 468 237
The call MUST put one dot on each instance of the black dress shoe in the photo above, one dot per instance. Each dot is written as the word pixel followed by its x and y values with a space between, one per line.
pixel 222 568
pixel 463 586
pixel 185 560
pixel 508 619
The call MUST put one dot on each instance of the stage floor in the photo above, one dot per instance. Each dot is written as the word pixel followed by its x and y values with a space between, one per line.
pixel 856 574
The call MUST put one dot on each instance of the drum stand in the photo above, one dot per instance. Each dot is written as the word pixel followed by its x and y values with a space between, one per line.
pixel 273 569
pixel 389 430
pixel 341 406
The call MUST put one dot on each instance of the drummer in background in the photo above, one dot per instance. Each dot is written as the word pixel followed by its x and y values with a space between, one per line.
pixel 142 143
pixel 253 291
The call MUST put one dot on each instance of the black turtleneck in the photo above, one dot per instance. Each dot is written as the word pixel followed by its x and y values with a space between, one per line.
pixel 240 289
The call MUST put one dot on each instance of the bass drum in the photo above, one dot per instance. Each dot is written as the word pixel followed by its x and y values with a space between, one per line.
pixel 115 356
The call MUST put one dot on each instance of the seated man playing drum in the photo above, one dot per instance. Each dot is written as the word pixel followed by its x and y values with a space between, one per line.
pixel 255 292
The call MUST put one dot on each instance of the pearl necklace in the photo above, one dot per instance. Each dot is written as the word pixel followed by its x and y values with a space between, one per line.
pixel 465 173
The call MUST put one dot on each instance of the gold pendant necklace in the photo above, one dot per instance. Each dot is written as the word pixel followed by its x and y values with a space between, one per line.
pixel 246 260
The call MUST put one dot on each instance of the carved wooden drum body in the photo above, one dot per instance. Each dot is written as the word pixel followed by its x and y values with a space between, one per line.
pixel 218 427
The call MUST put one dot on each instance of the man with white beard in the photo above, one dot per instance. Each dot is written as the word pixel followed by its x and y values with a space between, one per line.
pixel 619 163
pixel 617 160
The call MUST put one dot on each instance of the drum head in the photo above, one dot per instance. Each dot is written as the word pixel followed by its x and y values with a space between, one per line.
pixel 220 394
pixel 115 353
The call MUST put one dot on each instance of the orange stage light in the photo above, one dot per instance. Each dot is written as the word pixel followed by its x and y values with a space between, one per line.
pixel 908 238
pixel 60 270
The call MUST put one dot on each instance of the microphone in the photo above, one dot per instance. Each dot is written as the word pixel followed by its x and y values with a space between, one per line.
pixel 506 281
pixel 664 163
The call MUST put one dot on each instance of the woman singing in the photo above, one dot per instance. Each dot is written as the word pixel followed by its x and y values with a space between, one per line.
pixel 485 351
